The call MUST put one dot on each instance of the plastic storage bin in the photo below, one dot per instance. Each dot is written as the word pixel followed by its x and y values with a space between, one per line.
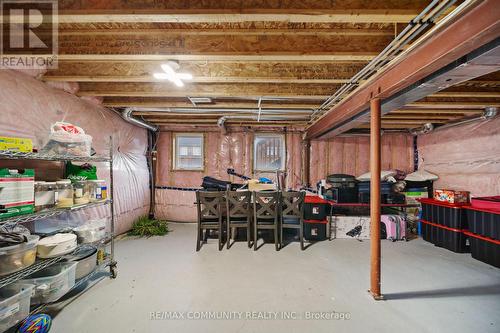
pixel 315 208
pixel 16 257
pixel 315 230
pixel 448 215
pixel 92 231
pixel 442 236
pixel 14 304
pixel 484 222
pixel 485 249
pixel 487 203
pixel 52 283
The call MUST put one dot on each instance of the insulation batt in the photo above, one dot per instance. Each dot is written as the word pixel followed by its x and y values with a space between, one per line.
pixel 28 109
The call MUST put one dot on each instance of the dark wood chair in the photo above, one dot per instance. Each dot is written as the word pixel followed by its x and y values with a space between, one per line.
pixel 292 214
pixel 239 213
pixel 210 215
pixel 265 214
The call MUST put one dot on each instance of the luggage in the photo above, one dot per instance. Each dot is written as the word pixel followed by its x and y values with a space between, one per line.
pixel 395 227
pixel 364 191
pixel 213 184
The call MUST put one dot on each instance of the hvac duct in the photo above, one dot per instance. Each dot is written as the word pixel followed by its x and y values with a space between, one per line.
pixel 127 116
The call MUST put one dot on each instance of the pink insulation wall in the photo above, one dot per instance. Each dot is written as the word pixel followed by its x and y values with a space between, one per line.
pixel 465 157
pixel 351 155
pixel 222 151
pixel 29 107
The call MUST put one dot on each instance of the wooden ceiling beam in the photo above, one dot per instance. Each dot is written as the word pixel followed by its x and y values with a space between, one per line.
pixel 162 44
pixel 165 102
pixel 203 71
pixel 438 111
pixel 243 58
pixel 165 89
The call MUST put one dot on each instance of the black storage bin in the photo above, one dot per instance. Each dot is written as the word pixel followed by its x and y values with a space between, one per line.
pixel 343 195
pixel 315 230
pixel 364 191
pixel 485 250
pixel 449 215
pixel 453 240
pixel 483 222
pixel 316 208
pixel 365 197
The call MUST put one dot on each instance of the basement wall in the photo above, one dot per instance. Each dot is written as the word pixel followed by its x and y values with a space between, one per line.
pixel 465 157
pixel 29 107
pixel 222 151
pixel 351 155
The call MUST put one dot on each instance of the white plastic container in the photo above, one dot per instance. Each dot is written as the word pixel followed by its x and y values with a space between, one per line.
pixel 93 231
pixel 56 245
pixel 16 257
pixel 52 283
pixel 14 304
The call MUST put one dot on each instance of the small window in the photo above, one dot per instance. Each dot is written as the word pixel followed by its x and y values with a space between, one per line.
pixel 188 152
pixel 269 152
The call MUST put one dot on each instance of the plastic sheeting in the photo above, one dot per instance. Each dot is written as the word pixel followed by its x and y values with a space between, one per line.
pixel 222 151
pixel 28 109
pixel 465 157
pixel 351 155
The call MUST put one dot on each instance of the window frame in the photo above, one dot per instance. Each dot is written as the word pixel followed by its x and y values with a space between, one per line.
pixel 175 167
pixel 283 153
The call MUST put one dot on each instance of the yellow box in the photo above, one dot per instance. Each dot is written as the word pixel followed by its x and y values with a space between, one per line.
pixel 23 145
pixel 254 185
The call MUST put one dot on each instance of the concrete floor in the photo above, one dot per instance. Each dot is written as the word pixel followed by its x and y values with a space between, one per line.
pixel 428 289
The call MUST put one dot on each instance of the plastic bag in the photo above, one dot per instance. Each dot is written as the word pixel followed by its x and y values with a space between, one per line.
pixel 68 139
pixel 384 175
pixel 420 176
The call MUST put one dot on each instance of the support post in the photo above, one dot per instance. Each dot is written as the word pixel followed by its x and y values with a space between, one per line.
pixel 306 164
pixel 375 197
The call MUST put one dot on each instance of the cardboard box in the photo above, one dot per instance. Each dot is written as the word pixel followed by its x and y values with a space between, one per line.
pixel 17 192
pixel 451 196
pixel 343 224
pixel 16 144
pixel 254 185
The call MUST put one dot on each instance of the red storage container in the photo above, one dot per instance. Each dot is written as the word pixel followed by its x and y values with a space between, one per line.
pixel 487 203
pixel 316 208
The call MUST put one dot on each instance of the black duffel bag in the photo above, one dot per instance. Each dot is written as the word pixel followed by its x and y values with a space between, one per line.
pixel 214 184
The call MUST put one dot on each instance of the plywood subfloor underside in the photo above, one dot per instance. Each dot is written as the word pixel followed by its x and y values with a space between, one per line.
pixel 428 289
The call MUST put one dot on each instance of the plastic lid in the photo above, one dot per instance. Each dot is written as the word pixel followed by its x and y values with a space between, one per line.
pixel 57 239
pixel 63 181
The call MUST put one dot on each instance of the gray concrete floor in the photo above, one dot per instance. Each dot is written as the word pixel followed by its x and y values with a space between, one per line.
pixel 428 289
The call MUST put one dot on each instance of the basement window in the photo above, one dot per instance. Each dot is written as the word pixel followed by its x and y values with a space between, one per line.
pixel 269 152
pixel 188 151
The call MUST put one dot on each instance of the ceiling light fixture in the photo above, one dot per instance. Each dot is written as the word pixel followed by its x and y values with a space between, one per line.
pixel 170 74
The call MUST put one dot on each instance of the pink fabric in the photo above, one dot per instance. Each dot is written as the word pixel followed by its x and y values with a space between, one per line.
pixel 466 158
pixel 29 107
pixel 351 155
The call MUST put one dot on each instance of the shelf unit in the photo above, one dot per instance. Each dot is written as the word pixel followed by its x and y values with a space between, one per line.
pixel 40 264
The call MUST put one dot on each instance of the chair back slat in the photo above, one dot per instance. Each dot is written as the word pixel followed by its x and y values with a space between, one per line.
pixel 209 204
pixel 266 204
pixel 292 204
pixel 238 204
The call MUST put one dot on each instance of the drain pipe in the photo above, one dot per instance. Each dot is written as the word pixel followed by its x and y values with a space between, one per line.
pixel 127 116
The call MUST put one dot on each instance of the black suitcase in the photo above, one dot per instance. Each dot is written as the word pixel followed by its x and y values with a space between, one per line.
pixel 214 184
pixel 343 195
pixel 340 180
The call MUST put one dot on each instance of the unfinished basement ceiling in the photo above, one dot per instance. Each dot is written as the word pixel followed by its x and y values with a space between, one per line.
pixel 261 62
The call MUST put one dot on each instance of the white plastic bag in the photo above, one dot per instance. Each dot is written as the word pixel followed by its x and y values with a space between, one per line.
pixel 68 139
pixel 421 176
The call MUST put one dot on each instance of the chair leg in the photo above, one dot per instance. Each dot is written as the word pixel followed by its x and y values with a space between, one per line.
pixel 198 236
pixel 228 237
pixel 221 244
pixel 255 237
pixel 281 236
pixel 248 235
pixel 276 240
pixel 301 236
